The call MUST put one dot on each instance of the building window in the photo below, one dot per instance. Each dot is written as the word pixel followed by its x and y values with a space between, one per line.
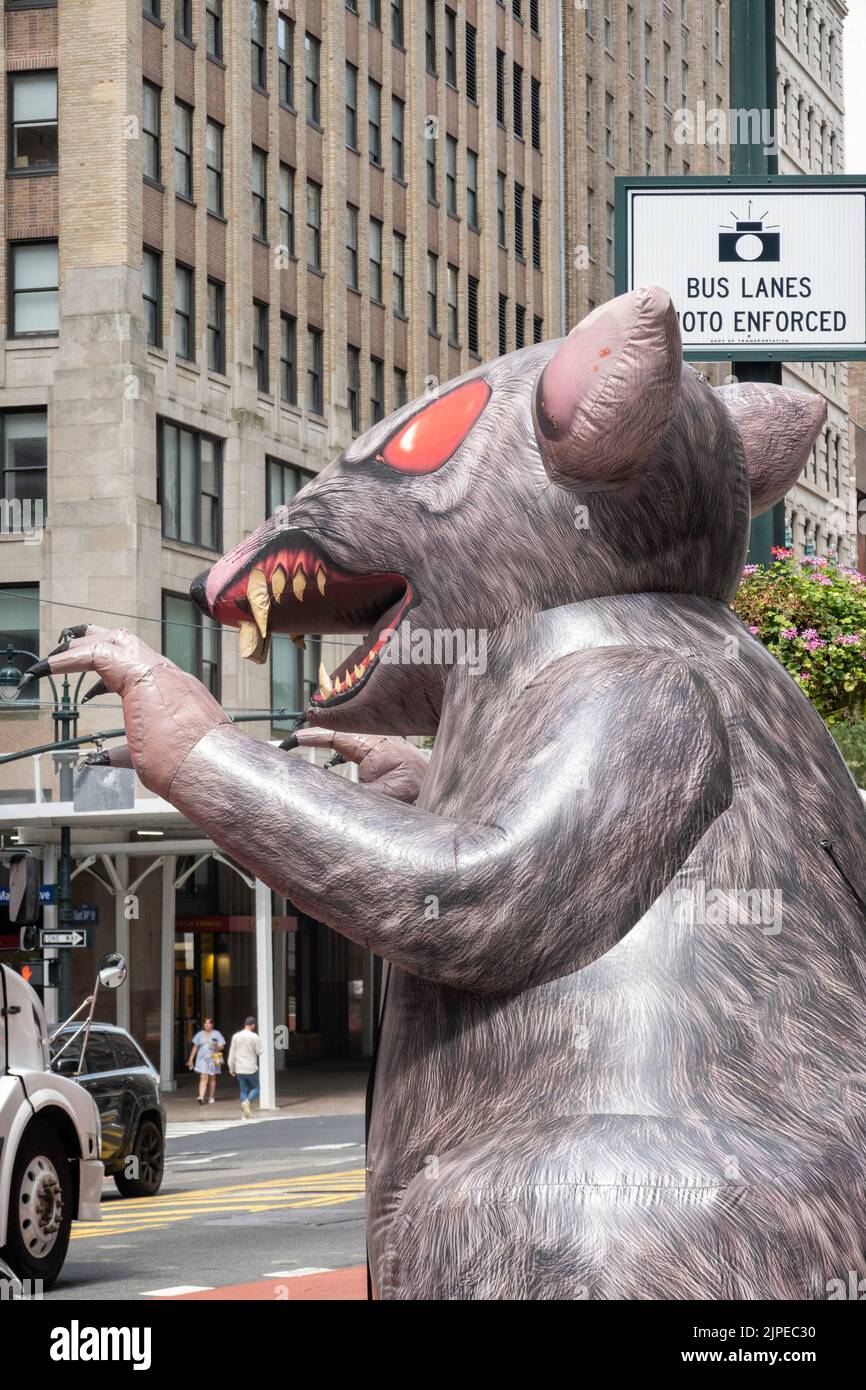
pixel 589 96
pixel 374 13
pixel 398 113
pixel 286 52
pixel 453 307
pixel 260 346
pixel 151 8
pixel 537 328
pixel 189 485
pixel 535 112
pixel 500 208
pixel 286 194
pixel 401 389
pixel 214 168
pixel 518 220
pixel 534 21
pixel 648 55
pixel 294 677
pixel 377 390
pixel 472 189
pixel 609 229
pixel 471 63
pixel 315 371
pixel 451 174
pixel 216 326
pixel 213 23
pixel 398 269
pixel 629 40
pixel 258 43
pixel 430 35
pixel 397 22
pixel 608 127
pixel 472 315
pixel 184 316
pixel 352 247
pixel 151 295
pixel 150 129
pixel 259 191
pixel 33 120
pixel 19 628
pixel 353 386
pixel 374 244
pixel 666 74
pixel 183 18
pixel 191 640
pixel 431 167
pixel 536 233
pixel 312 75
pixel 684 85
pixel 432 292
pixel 314 225
pixel 648 150
pixel 503 324
pixel 519 326
pixel 450 48
pixel 34 298
pixel 517 85
pixel 24 455
pixel 500 87
pixel 351 106
pixel 717 31
pixel 590 223
pixel 608 25
pixel 288 359
pixel 284 482
pixel 183 149
pixel 374 121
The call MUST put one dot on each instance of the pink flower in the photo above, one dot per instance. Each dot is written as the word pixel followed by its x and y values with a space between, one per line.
pixel 788 632
pixel 848 639
pixel 781 553
pixel 754 631
pixel 749 569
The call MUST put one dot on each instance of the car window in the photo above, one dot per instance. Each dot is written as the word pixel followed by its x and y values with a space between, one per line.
pixel 128 1054
pixel 99 1055
pixel 71 1053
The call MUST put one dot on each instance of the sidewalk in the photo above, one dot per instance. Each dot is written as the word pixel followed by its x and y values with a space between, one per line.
pixel 304 1089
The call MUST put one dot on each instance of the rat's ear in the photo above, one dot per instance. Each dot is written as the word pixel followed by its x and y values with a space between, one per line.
pixel 607 397
pixel 778 428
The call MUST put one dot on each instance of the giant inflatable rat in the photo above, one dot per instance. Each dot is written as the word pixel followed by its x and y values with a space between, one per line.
pixel 626 1003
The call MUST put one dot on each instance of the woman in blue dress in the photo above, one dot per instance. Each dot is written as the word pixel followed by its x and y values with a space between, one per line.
pixel 206 1057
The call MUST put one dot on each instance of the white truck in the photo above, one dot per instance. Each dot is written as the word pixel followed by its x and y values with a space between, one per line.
pixel 50 1169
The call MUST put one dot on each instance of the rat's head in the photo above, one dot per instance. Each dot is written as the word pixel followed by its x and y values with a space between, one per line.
pixel 595 465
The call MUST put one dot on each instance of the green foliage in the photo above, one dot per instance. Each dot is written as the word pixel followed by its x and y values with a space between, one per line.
pixel 851 738
pixel 811 614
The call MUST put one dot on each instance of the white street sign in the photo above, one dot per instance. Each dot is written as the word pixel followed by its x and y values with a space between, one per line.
pixel 769 270
pixel 63 938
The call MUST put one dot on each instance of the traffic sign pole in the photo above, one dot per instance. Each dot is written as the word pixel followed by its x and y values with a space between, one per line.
pixel 753 87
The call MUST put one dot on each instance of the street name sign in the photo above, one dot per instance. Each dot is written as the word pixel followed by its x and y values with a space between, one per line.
pixel 766 269
pixel 75 937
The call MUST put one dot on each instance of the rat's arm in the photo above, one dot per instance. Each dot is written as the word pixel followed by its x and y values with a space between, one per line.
pixel 621 767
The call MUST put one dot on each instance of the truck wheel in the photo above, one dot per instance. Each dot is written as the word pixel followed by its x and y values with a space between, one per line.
pixel 40 1206
pixel 148 1151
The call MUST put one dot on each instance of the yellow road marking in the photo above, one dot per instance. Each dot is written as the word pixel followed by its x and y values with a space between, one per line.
pixel 132 1214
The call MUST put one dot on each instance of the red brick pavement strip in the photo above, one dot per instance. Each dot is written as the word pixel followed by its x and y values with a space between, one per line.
pixel 337 1285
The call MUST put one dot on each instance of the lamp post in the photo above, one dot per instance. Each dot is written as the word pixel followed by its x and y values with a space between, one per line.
pixel 65 717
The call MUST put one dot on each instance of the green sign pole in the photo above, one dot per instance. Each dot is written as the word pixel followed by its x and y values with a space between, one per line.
pixel 753 88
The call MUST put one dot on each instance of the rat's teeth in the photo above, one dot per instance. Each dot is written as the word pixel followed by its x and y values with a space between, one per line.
pixel 299 583
pixel 320 580
pixel 324 680
pixel 259 600
pixel 359 671
pixel 299 642
pixel 278 582
pixel 253 646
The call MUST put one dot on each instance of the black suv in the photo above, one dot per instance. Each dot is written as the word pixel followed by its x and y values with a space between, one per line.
pixel 125 1087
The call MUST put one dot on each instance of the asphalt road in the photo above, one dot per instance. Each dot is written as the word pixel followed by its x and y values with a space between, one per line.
pixel 238 1204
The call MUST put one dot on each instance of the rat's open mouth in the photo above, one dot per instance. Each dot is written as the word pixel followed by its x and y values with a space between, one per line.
pixel 296 589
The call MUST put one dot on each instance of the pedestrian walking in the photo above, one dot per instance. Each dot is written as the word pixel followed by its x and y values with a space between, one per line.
pixel 244 1054
pixel 206 1057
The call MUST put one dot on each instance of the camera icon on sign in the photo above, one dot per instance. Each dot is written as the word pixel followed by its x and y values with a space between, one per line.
pixel 750 240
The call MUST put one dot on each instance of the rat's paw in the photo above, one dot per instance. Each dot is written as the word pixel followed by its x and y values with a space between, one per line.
pixel 387 765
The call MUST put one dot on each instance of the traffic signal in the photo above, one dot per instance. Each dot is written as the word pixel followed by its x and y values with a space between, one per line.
pixel 28 939
pixel 24 876
pixel 41 974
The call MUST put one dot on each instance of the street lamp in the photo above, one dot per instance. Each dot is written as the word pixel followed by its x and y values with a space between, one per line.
pixel 65 717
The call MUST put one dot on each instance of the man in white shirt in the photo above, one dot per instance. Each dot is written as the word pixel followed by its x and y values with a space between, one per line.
pixel 244 1054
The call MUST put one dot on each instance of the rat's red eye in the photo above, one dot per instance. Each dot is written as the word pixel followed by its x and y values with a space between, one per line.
pixel 430 438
